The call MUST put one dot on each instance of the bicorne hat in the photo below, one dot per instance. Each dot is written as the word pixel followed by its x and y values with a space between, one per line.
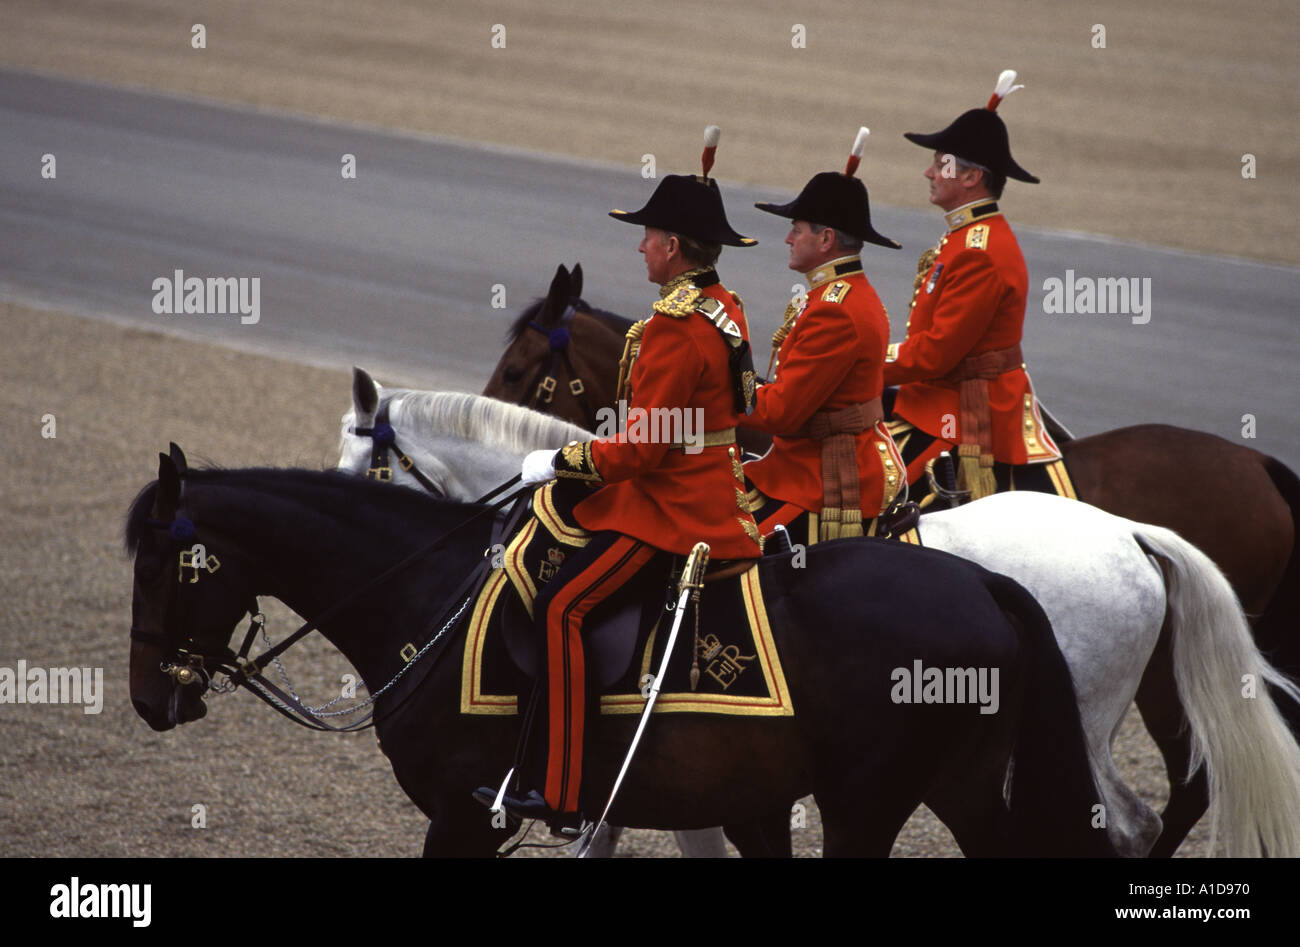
pixel 980 136
pixel 836 200
pixel 689 204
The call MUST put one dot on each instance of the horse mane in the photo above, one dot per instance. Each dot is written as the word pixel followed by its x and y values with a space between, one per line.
pixel 609 320
pixel 366 498
pixel 136 516
pixel 504 426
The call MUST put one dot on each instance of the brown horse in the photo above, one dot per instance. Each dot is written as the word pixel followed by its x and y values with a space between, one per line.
pixel 1141 473
pixel 559 355
pixel 558 358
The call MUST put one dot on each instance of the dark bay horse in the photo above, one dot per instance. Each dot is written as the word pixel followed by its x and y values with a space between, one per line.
pixel 558 357
pixel 559 353
pixel 841 625
pixel 1239 506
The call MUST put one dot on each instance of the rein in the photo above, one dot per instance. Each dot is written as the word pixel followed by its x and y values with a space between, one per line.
pixel 199 666
pixel 290 704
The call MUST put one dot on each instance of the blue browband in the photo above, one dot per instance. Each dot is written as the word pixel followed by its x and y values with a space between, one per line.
pixel 180 529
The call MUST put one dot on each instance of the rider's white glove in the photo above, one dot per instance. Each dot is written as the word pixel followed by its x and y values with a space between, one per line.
pixel 537 468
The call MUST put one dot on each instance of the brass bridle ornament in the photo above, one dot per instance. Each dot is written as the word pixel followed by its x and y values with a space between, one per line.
pixel 383 440
pixel 557 337
pixel 192 662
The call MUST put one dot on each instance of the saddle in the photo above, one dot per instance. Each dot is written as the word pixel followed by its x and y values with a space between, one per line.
pixel 926 455
pixel 609 640
pixel 623 641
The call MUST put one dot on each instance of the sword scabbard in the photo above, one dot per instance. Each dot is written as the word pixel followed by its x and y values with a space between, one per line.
pixel 691 582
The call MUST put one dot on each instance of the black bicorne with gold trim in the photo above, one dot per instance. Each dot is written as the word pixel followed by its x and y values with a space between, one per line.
pixel 979 136
pixel 690 205
pixel 834 200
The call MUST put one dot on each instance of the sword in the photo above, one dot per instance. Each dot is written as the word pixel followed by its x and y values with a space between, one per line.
pixel 692 580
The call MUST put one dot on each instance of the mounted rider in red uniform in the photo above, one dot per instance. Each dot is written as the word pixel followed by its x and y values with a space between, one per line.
pixel 960 371
pixel 653 496
pixel 833 468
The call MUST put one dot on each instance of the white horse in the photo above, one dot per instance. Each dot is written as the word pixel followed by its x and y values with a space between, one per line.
pixel 1107 584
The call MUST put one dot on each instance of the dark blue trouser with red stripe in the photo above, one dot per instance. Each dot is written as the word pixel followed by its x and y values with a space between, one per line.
pixel 608 565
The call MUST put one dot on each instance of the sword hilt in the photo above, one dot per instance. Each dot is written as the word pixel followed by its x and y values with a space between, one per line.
pixel 693 571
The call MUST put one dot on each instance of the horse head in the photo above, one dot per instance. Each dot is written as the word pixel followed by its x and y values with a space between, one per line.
pixel 541 370
pixel 450 444
pixel 539 330
pixel 369 446
pixel 187 599
pixel 359 439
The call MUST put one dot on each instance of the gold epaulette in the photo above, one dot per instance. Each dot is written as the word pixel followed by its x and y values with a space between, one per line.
pixel 836 292
pixel 977 237
pixel 681 302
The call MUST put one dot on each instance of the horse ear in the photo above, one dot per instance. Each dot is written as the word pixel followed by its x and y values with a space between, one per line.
pixel 365 393
pixel 557 298
pixel 575 281
pixel 169 488
pixel 177 457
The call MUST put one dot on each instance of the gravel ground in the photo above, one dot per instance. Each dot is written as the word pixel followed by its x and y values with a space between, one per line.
pixel 73 784
pixel 1142 139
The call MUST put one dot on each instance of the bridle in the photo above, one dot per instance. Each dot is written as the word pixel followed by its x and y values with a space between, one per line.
pixel 558 338
pixel 195 663
pixel 384 439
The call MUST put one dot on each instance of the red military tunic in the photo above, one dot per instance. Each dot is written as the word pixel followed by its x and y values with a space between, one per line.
pixel 831 359
pixel 655 495
pixel 656 492
pixel 970 300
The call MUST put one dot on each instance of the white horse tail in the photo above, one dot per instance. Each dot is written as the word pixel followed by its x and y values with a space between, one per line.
pixel 1252 760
